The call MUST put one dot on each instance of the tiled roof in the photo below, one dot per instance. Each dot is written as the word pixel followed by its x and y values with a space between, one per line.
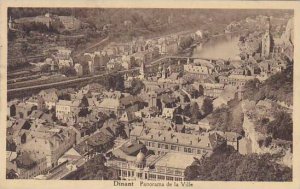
pixel 131 148
pixel 204 140
pixel 175 160
pixel 110 103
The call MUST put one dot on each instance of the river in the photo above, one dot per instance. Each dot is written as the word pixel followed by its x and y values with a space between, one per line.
pixel 223 47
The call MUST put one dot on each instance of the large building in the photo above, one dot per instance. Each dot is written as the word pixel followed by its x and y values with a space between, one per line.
pixel 132 163
pixel 50 144
pixel 235 80
pixel 162 141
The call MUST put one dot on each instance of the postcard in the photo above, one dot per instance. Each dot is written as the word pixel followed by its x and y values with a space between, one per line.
pixel 162 94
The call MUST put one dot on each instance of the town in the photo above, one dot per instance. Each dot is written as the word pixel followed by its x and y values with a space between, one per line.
pixel 149 108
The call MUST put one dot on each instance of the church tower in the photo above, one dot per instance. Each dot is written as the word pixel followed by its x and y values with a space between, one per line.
pixel 10 23
pixel 266 41
pixel 142 70
pixel 164 72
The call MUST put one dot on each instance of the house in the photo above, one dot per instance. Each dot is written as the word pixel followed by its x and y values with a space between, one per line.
pixel 232 138
pixel 96 144
pixel 213 90
pixel 78 68
pixel 67 110
pixel 235 80
pixel 128 117
pixel 199 71
pixel 167 46
pixel 168 112
pixel 50 144
pixel 23 110
pixel 157 123
pixel 26 165
pixel 131 103
pixel 50 97
pixel 111 106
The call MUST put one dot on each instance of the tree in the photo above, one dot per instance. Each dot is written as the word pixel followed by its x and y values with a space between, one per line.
pixel 119 82
pixel 194 112
pixel 191 172
pixel 115 82
pixel 201 90
pixel 282 126
pixel 207 106
pixel 45 68
pixel 64 96
pixel 84 102
pixel 95 169
pixel 68 71
pixel 136 86
pixel 186 110
pixel 226 164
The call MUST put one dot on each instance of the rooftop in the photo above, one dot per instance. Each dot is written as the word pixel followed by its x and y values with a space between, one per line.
pixel 176 160
pixel 204 140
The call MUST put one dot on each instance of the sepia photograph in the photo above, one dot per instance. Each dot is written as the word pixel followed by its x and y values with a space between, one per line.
pixel 149 95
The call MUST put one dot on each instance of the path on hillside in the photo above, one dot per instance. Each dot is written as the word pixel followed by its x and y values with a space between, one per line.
pixel 92 46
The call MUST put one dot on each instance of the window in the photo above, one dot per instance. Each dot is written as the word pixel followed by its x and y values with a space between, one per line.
pixel 140 175
pixel 166 146
pixel 188 150
pixel 152 176
pixel 173 147
pixel 160 177
pixel 124 173
pixel 169 178
pixel 177 172
pixel 178 179
pixel 158 145
pixel 198 151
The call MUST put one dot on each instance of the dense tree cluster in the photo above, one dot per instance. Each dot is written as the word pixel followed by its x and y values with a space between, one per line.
pixel 228 165
pixel 114 82
pixel 185 42
pixel 278 87
pixel 67 71
pixel 136 86
pixel 95 169
pixel 228 119
pixel 40 27
pixel 207 106
pixel 279 128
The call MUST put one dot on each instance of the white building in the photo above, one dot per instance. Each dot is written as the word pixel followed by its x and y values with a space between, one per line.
pixel 78 69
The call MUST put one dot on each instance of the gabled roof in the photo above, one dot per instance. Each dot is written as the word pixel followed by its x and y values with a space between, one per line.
pixel 130 100
pixel 110 103
pixel 131 148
